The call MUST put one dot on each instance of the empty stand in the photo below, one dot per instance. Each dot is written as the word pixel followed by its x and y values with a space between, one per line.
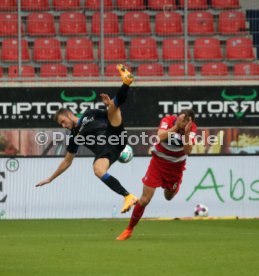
pixel 207 49
pixel 72 23
pixel 53 71
pixel 200 23
pixel 9 24
pixel 111 23
pixel 173 49
pixel 86 70
pixel 66 4
pixel 240 48
pixel 41 24
pixel 79 49
pixel 162 4
pixel 214 69
pixel 27 71
pixel 136 23
pixel 10 50
pixel 130 4
pixel 246 69
pixel 114 49
pixel 178 70
pixel 143 49
pixel 232 22
pixel 225 4
pixel 32 5
pixel 195 4
pixel 95 4
pixel 168 23
pixel 8 5
pixel 47 49
pixel 149 70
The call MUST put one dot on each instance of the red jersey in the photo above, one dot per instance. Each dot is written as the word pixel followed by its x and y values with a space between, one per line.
pixel 172 149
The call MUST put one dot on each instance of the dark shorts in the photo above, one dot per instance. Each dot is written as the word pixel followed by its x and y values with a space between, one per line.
pixel 112 152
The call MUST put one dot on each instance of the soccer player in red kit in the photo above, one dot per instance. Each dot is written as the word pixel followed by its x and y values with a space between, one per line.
pixel 175 139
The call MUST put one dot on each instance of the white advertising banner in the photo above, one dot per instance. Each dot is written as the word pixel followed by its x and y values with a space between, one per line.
pixel 229 186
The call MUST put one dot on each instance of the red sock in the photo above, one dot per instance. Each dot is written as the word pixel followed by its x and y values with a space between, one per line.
pixel 136 216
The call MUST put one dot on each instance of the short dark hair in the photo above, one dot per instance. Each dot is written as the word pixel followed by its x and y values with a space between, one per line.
pixel 62 111
pixel 188 113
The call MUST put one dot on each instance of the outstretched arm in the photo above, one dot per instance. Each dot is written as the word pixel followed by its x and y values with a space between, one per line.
pixel 61 168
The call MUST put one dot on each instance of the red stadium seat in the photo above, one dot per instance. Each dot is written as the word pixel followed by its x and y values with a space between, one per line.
pixel 27 71
pixel 72 23
pixel 200 23
pixel 9 24
pixel 136 23
pixel 10 50
pixel 246 69
pixel 79 49
pixel 8 5
pixel 207 49
pixel 162 4
pixel 111 23
pixel 130 4
pixel 1 72
pixel 47 49
pixel 239 48
pixel 149 70
pixel 173 49
pixel 168 23
pixel 86 70
pixel 66 4
pixel 96 4
pixel 225 4
pixel 114 49
pixel 53 71
pixel 41 24
pixel 32 5
pixel 111 70
pixel 214 69
pixel 232 22
pixel 178 70
pixel 195 4
pixel 143 49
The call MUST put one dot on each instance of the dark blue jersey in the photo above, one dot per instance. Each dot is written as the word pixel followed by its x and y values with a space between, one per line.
pixel 91 126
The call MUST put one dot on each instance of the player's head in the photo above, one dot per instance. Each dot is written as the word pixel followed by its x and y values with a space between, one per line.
pixel 186 114
pixel 65 118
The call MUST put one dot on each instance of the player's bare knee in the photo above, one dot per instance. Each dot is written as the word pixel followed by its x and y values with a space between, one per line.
pixel 168 194
pixel 98 171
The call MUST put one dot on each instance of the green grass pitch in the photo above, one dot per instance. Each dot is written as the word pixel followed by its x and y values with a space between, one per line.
pixel 88 247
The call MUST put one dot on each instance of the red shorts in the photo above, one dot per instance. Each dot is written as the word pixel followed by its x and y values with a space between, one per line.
pixel 165 174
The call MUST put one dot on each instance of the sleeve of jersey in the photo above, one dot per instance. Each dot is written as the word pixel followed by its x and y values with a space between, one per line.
pixel 164 124
pixel 72 146
pixel 193 133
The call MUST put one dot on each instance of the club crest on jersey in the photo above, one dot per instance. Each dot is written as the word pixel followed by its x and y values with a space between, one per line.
pixel 164 125
pixel 85 121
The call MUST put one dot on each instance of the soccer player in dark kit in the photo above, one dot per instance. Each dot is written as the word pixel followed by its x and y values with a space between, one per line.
pixel 98 124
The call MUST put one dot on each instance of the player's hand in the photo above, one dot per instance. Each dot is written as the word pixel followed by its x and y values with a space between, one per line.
pixel 106 99
pixel 188 126
pixel 43 182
